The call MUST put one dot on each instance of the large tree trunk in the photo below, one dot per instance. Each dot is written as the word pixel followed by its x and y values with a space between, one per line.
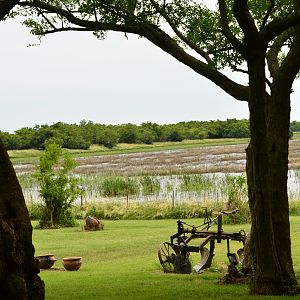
pixel 18 272
pixel 267 166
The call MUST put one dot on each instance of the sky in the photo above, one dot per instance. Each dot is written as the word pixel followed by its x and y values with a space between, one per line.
pixel 73 76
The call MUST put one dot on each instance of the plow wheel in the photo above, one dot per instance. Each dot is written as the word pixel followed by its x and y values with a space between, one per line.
pixel 182 264
pixel 166 255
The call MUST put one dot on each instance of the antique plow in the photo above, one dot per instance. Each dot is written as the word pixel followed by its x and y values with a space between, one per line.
pixel 174 255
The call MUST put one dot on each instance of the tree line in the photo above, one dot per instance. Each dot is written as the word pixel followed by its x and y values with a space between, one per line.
pixel 82 135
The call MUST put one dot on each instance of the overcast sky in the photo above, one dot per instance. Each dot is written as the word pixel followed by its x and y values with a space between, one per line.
pixel 74 76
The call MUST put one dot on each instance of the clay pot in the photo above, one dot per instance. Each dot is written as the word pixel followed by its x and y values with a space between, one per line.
pixel 71 263
pixel 46 261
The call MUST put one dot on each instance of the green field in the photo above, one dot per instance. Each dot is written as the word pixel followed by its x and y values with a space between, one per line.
pixel 26 156
pixel 121 262
pixel 296 135
pixel 32 155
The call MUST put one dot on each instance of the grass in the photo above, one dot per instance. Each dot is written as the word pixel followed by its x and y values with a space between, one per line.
pixel 121 262
pixel 296 135
pixel 31 155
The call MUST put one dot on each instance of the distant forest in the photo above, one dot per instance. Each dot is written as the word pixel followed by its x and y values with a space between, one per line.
pixel 84 134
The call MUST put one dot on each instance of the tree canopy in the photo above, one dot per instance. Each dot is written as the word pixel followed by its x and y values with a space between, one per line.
pixel 206 40
pixel 81 136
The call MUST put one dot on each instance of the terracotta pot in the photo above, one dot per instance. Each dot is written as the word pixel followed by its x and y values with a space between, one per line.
pixel 71 263
pixel 46 261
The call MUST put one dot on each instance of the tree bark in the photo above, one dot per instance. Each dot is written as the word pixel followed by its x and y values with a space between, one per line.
pixel 267 167
pixel 18 272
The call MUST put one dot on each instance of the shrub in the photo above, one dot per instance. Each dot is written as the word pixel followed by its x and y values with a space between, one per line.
pixel 35 211
pixel 57 189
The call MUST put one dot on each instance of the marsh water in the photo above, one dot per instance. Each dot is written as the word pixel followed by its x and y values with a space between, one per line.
pixel 171 188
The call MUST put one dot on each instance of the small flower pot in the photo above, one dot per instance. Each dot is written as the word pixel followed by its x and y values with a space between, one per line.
pixel 71 263
pixel 46 261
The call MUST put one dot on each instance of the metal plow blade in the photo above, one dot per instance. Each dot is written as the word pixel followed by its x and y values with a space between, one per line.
pixel 206 259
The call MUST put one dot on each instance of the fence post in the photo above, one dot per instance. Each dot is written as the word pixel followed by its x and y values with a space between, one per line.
pixel 173 199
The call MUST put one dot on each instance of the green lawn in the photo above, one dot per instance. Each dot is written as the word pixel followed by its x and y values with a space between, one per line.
pixel 121 263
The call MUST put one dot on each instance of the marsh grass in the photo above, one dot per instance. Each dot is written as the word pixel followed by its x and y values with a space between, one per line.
pixel 121 262
pixel 160 210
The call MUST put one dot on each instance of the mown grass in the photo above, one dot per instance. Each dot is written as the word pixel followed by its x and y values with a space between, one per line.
pixel 31 155
pixel 121 262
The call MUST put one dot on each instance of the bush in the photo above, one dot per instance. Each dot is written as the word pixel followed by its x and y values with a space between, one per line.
pixel 294 208
pixel 57 189
pixel 35 211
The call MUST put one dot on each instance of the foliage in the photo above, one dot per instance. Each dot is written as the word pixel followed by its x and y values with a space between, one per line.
pixel 57 189
pixel 109 210
pixel 150 185
pixel 81 136
pixel 295 126
pixel 108 138
pixel 162 210
pixel 195 182
pixel 36 211
pixel 236 189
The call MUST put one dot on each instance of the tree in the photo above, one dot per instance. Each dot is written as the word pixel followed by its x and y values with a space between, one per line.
pixel 240 35
pixel 128 134
pixel 57 188
pixel 108 138
pixel 18 272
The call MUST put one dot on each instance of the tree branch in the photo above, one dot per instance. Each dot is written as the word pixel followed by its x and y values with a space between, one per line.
pixel 166 43
pixel 6 6
pixel 91 25
pixel 277 26
pixel 158 37
pixel 290 67
pixel 267 15
pixel 180 34
pixel 245 20
pixel 272 54
pixel 223 9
